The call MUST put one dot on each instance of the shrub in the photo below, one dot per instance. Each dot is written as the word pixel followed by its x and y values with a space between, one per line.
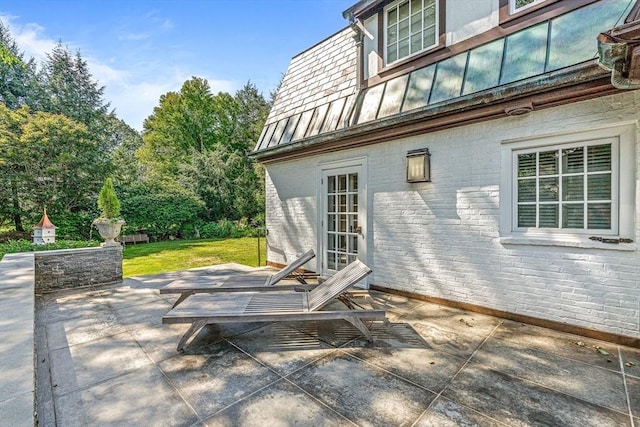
pixel 162 212
pixel 108 201
pixel 15 246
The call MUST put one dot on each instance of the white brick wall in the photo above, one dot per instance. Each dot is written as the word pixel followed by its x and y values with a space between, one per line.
pixel 442 238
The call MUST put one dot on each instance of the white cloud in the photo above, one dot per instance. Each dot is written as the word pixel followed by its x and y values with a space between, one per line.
pixel 133 37
pixel 132 89
pixel 29 37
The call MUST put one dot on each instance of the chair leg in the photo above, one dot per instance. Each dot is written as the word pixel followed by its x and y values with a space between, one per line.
pixel 355 321
pixel 195 327
pixel 182 297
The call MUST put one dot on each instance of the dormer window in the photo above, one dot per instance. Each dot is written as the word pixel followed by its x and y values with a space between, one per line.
pixel 516 6
pixel 411 26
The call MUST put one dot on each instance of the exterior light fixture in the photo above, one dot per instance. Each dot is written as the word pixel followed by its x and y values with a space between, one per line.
pixel 419 165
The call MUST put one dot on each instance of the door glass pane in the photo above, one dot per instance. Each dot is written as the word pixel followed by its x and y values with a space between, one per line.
pixel 353 202
pixel 353 223
pixel 331 184
pixel 342 203
pixel 342 183
pixel 353 182
pixel 353 244
pixel 331 203
pixel 331 260
pixel 331 222
pixel 342 220
pixel 342 224
pixel 573 215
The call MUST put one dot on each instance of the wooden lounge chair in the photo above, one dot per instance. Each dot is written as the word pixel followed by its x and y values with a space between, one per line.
pixel 271 305
pixel 242 282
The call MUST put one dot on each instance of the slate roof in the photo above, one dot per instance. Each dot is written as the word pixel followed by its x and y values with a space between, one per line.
pixel 316 94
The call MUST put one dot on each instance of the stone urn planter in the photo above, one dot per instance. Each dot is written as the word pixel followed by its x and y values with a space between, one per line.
pixel 109 230
pixel 109 223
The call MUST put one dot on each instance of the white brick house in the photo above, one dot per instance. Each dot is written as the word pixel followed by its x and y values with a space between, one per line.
pixel 532 207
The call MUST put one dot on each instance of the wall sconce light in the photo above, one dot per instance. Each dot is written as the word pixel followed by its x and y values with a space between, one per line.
pixel 419 165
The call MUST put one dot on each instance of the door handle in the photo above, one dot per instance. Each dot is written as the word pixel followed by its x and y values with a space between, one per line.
pixel 359 230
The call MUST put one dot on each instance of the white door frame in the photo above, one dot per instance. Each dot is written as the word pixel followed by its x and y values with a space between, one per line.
pixel 354 165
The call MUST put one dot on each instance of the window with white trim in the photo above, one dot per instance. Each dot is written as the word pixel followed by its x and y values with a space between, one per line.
pixel 516 6
pixel 571 187
pixel 411 26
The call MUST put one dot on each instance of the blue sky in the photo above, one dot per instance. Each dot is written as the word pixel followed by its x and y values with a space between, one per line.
pixel 141 49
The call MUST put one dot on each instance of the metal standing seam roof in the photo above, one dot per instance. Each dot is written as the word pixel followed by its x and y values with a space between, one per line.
pixel 316 94
pixel 314 99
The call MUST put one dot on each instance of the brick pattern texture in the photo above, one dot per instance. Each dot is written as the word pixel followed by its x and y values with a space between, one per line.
pixel 441 239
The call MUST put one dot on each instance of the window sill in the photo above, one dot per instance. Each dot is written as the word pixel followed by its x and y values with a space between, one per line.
pixel 565 241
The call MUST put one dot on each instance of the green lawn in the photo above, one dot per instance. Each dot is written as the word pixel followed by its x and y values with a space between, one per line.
pixel 160 257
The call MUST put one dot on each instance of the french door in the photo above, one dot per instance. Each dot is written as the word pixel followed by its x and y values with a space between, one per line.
pixel 343 216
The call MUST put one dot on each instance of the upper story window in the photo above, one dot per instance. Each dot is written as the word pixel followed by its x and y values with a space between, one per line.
pixel 516 6
pixel 411 26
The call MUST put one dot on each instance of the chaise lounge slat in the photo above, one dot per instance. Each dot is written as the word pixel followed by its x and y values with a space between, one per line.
pixel 200 310
pixel 243 282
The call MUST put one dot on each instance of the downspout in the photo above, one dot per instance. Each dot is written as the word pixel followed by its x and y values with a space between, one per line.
pixel 359 30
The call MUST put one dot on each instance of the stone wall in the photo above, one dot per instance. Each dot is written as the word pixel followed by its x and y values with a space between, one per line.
pixel 71 268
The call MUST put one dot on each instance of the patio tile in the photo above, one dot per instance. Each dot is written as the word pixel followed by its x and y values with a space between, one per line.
pixel 84 329
pixel 125 296
pixel 446 413
pixel 57 310
pixel 13 410
pixel 149 314
pixel 142 397
pixel 567 345
pixel 633 387
pixel 159 342
pixel 461 342
pixel 366 395
pixel 631 360
pixel 388 334
pixel 395 305
pixel 555 372
pixel 428 368
pixel 281 347
pixel 82 365
pixel 335 333
pixel 281 404
pixel 211 382
pixel 516 402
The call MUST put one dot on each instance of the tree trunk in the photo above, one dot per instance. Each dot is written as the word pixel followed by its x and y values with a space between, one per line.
pixel 17 220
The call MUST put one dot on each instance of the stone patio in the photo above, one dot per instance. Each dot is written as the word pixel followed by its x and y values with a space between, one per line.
pixel 104 358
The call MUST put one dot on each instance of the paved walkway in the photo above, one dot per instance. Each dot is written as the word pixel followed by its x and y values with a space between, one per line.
pixel 104 358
